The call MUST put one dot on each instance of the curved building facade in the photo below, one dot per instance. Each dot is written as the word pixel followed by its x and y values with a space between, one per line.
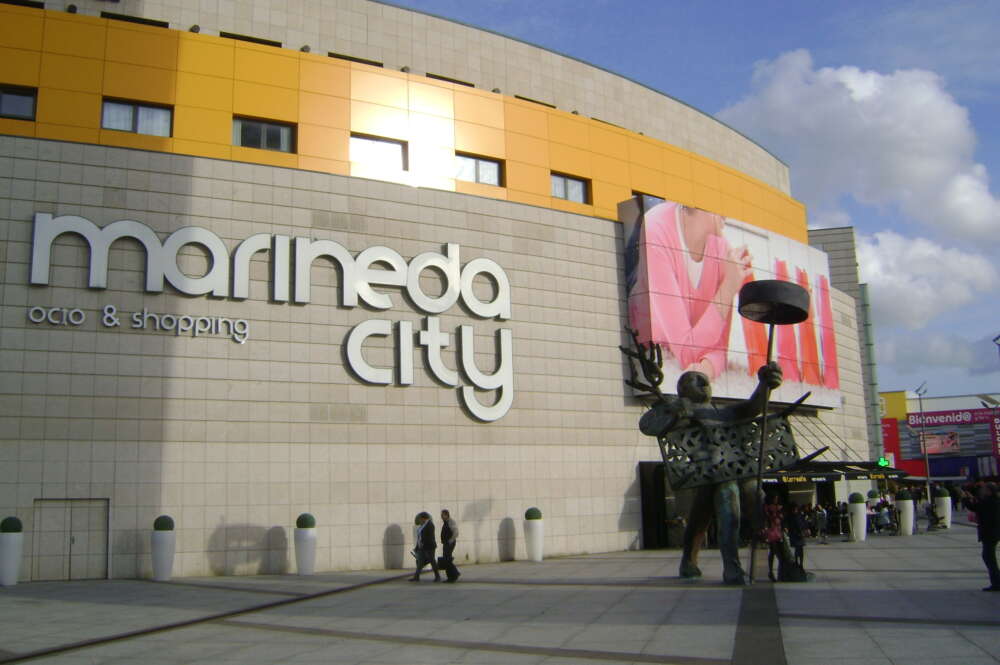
pixel 343 258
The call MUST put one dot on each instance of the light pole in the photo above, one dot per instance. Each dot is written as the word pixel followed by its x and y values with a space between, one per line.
pixel 921 391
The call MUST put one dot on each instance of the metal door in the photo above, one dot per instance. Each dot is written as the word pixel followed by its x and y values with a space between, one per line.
pixel 70 539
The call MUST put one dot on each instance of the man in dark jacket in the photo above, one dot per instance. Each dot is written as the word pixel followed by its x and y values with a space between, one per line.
pixel 426 547
pixel 985 503
pixel 449 538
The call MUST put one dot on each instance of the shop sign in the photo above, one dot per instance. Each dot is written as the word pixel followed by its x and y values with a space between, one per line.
pixel 291 260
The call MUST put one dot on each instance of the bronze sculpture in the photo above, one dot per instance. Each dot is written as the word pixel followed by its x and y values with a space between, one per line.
pixel 711 448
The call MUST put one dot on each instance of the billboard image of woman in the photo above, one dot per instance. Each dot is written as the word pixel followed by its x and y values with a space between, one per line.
pixel 684 267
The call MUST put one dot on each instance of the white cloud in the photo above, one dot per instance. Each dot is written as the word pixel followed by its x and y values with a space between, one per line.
pixel 912 281
pixel 894 139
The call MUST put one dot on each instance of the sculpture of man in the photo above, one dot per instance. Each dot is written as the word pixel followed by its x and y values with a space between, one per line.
pixel 693 408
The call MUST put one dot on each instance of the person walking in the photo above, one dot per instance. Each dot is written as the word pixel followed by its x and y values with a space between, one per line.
pixel 425 547
pixel 773 535
pixel 449 538
pixel 985 503
pixel 796 527
pixel 821 517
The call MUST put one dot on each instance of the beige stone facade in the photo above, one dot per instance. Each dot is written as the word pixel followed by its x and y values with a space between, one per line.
pixel 103 427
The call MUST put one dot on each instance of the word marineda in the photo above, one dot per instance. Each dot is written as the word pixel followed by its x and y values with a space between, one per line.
pixel 229 276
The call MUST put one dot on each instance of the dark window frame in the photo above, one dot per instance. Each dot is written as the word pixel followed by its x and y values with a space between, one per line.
pixel 264 123
pixel 405 145
pixel 351 58
pixel 21 91
pixel 567 178
pixel 448 79
pixel 24 3
pixel 136 105
pixel 535 101
pixel 501 168
pixel 248 38
pixel 135 19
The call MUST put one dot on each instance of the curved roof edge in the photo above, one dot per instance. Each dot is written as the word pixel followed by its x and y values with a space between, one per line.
pixel 388 3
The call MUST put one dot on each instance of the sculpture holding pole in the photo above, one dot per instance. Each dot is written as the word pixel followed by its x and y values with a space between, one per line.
pixel 718 449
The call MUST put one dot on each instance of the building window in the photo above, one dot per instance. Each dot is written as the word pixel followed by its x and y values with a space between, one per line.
pixel 17 102
pixel 570 188
pixel 479 169
pixel 377 151
pixel 248 38
pixel 263 134
pixel 136 118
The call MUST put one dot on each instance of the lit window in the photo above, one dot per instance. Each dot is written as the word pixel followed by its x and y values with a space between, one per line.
pixel 377 151
pixel 478 169
pixel 569 188
pixel 136 118
pixel 17 103
pixel 264 135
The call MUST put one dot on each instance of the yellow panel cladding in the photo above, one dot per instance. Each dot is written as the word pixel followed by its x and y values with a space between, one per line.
pixel 324 165
pixel 142 45
pixel 203 125
pixel 269 157
pixel 480 140
pixel 527 149
pixel 210 92
pixel 380 87
pixel 610 141
pixel 66 133
pixel 481 108
pixel 17 127
pixel 378 120
pixel 677 162
pixel 894 404
pixel 324 75
pixel 205 54
pixel 75 34
pixel 568 129
pixel 645 152
pixel 20 27
pixel 266 65
pixel 609 169
pixel 70 73
pixel 202 149
pixel 569 160
pixel 525 118
pixel 432 99
pixel 479 189
pixel 147 84
pixel 137 141
pixel 66 107
pixel 324 110
pixel 528 178
pixel 265 101
pixel 647 181
pixel 19 67
pixel 324 142
pixel 705 173
pixel 607 195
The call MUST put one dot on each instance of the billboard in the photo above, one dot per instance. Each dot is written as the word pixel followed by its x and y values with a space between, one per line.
pixel 684 268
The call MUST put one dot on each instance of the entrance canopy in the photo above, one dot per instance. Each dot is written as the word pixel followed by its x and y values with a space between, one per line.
pixel 819 472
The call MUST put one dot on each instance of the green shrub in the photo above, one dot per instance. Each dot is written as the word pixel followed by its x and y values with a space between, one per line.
pixel 532 514
pixel 306 521
pixel 904 495
pixel 856 497
pixel 872 494
pixel 163 523
pixel 11 525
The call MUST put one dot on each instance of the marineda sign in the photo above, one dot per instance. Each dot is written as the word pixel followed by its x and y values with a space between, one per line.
pixel 291 261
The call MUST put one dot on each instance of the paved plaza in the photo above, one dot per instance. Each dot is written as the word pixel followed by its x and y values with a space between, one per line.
pixel 890 600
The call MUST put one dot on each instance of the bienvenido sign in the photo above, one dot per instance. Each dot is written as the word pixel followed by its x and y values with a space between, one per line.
pixel 290 261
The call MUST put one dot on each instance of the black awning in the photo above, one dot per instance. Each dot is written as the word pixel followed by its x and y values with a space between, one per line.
pixel 821 471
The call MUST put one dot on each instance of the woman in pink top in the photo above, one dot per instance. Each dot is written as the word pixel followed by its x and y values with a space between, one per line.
pixel 686 280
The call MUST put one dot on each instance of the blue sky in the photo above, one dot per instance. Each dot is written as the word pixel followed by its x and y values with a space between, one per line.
pixel 888 115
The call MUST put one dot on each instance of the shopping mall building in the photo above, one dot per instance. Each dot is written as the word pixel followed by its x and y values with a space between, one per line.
pixel 350 259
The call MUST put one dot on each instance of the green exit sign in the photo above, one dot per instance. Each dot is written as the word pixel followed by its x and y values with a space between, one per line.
pixel 883 461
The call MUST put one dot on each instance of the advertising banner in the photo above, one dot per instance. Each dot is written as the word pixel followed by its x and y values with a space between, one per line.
pixel 960 431
pixel 684 268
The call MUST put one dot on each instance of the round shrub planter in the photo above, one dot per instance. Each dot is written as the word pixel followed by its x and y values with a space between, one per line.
pixel 857 509
pixel 305 544
pixel 904 513
pixel 534 534
pixel 942 506
pixel 11 546
pixel 162 545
